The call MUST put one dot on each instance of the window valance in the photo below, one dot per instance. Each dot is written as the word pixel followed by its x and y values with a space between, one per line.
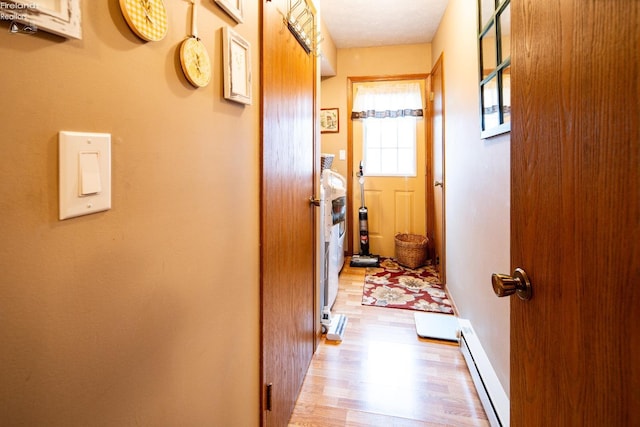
pixel 387 100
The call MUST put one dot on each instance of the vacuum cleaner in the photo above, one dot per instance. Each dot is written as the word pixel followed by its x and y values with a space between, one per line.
pixel 334 326
pixel 364 258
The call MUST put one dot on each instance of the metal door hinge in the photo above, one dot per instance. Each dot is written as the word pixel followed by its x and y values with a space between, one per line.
pixel 268 392
pixel 431 96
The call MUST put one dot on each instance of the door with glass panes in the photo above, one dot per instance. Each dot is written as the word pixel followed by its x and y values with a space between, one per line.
pixel 391 146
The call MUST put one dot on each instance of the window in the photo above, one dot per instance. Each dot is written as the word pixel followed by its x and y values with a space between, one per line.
pixel 494 39
pixel 389 112
pixel 390 146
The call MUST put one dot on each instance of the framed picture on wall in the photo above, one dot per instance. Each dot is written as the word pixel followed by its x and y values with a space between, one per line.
pixel 236 60
pixel 329 120
pixel 234 8
pixel 60 17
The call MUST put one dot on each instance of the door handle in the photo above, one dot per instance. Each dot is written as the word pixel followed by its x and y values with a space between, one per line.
pixel 437 183
pixel 505 285
pixel 313 201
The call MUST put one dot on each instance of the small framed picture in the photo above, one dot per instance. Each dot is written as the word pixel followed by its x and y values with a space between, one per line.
pixel 234 8
pixel 236 60
pixel 329 120
pixel 59 17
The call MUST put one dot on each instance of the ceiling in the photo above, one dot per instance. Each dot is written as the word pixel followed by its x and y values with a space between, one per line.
pixel 367 23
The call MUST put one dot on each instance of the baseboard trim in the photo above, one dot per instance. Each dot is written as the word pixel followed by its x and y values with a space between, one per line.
pixel 492 395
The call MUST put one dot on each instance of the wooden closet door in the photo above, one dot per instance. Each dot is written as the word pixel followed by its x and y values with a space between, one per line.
pixel 287 230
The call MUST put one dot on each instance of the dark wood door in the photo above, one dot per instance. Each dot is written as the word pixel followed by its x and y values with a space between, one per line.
pixel 287 241
pixel 575 213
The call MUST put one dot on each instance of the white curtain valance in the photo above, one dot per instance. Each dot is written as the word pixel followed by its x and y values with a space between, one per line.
pixel 387 100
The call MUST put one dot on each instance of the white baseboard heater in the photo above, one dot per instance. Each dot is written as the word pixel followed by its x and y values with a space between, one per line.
pixel 491 393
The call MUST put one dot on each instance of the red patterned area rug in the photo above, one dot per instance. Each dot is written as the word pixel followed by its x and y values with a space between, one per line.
pixel 392 285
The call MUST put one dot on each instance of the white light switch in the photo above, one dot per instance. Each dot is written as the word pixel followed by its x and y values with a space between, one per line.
pixel 342 155
pixel 85 173
pixel 89 174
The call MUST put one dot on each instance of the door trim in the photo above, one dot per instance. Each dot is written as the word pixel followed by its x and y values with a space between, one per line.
pixel 439 65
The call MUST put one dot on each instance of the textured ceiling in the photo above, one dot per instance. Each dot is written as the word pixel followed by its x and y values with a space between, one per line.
pixel 366 23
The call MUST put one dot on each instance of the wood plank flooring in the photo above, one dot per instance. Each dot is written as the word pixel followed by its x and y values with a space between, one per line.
pixel 382 374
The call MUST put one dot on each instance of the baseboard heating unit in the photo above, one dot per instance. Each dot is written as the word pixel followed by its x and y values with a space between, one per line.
pixel 493 397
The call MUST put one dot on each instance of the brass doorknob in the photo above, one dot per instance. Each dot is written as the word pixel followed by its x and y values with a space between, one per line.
pixel 313 201
pixel 505 285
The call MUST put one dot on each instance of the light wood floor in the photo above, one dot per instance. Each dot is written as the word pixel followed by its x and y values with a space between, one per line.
pixel 382 374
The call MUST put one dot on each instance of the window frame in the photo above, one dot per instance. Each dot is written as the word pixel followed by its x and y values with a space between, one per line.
pixel 497 75
pixel 413 146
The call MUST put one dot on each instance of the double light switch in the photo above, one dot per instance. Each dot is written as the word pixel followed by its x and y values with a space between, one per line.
pixel 85 173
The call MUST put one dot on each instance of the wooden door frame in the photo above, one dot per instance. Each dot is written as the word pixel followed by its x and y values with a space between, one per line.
pixel 439 64
pixel 367 79
pixel 428 173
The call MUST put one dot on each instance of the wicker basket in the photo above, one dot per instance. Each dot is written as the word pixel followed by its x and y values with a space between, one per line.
pixel 411 250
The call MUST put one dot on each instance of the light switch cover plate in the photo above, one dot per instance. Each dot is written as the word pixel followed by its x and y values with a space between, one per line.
pixel 85 186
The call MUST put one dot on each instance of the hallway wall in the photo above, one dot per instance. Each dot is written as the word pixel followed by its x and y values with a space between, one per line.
pixel 477 185
pixel 147 314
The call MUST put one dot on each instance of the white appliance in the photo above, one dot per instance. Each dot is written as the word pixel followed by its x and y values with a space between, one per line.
pixel 333 208
pixel 334 201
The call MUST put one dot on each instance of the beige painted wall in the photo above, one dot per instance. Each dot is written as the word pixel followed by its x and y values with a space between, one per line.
pixel 477 191
pixel 147 314
pixel 329 53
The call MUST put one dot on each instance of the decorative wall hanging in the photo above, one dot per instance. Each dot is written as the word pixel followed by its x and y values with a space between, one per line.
pixel 60 17
pixel 300 20
pixel 329 120
pixel 193 55
pixel 234 8
pixel 236 60
pixel 146 18
pixel 494 40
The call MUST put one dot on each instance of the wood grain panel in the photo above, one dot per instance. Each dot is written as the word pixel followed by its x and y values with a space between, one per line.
pixel 287 240
pixel 575 212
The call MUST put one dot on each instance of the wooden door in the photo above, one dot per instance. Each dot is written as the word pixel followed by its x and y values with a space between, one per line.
pixel 575 141
pixel 437 199
pixel 395 204
pixel 287 230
